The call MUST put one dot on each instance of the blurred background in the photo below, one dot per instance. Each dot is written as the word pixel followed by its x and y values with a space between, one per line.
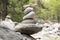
pixel 45 9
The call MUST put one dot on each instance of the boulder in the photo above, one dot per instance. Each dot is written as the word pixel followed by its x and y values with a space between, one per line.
pixel 7 24
pixel 7 34
pixel 28 28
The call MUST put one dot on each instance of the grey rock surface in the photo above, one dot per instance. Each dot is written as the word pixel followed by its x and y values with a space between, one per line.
pixel 28 9
pixel 28 28
pixel 28 25
pixel 7 34
pixel 29 15
pixel 50 31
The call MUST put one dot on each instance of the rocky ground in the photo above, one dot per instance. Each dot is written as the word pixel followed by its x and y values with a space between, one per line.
pixel 49 32
pixel 7 34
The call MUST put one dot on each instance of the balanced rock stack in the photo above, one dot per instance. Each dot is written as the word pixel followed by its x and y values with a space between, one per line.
pixel 28 25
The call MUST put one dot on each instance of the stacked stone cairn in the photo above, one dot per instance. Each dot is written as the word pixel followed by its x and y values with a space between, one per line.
pixel 7 31
pixel 28 25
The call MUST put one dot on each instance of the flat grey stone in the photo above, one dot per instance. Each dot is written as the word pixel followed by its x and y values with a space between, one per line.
pixel 7 34
pixel 28 28
pixel 28 9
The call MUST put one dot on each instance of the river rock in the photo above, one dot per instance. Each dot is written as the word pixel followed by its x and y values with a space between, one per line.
pixel 7 34
pixel 28 28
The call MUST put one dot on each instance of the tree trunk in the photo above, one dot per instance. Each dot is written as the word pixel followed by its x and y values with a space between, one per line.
pixel 40 4
pixel 4 11
pixel 59 19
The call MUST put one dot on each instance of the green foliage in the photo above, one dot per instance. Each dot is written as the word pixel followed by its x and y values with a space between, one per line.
pixel 51 11
pixel 15 8
pixel 32 1
pixel 53 6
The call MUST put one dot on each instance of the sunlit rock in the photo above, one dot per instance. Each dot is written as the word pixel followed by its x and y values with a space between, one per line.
pixel 8 23
pixel 28 25
pixel 28 28
pixel 7 34
pixel 51 32
pixel 28 9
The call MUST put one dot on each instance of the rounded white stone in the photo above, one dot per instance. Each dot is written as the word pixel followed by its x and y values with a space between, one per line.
pixel 30 15
pixel 28 9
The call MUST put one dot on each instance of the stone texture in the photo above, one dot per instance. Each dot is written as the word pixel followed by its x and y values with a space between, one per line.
pixel 28 28
pixel 28 25
pixel 28 9
pixel 51 32
pixel 7 34
pixel 29 15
